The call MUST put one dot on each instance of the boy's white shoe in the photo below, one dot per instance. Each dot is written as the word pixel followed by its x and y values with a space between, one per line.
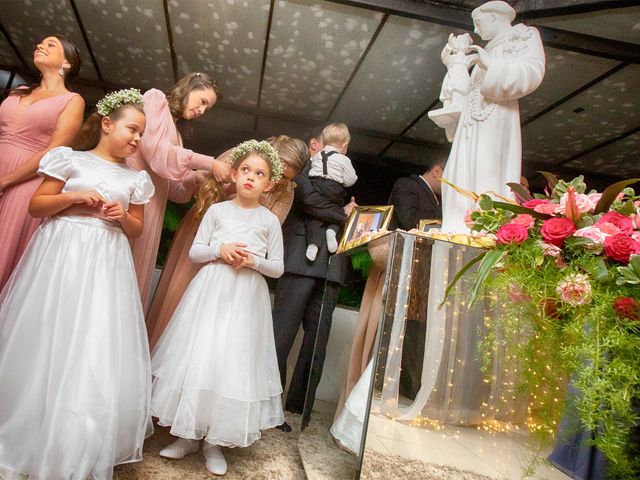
pixel 332 242
pixel 312 252
pixel 214 459
pixel 180 448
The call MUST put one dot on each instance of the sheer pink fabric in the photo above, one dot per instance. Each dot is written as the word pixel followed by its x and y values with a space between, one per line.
pixel 160 153
pixel 25 130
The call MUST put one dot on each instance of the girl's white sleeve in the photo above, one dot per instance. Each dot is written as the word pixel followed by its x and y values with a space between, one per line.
pixel 273 265
pixel 204 249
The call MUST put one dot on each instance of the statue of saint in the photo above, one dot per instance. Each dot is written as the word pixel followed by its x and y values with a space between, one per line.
pixel 487 148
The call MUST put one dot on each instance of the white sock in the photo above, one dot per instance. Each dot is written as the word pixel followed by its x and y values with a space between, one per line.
pixel 312 251
pixel 332 242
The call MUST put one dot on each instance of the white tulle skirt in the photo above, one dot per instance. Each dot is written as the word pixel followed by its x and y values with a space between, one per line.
pixel 215 367
pixel 74 360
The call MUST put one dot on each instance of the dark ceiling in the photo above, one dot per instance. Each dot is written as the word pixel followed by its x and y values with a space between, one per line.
pixel 286 65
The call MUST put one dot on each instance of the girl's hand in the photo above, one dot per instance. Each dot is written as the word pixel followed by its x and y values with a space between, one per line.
pixel 244 262
pixel 220 171
pixel 115 211
pixel 233 253
pixel 88 197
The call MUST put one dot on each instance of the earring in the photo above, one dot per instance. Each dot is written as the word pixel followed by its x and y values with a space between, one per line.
pixel 61 71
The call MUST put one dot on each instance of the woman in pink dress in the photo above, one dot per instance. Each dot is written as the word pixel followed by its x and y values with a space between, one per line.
pixel 175 170
pixel 34 120
pixel 178 269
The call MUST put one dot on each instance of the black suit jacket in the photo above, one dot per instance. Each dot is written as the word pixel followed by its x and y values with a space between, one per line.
pixel 308 203
pixel 412 201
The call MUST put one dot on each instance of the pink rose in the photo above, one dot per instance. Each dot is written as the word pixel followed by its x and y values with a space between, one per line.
pixel 524 219
pixel 547 208
pixel 556 230
pixel 575 289
pixel 636 236
pixel 467 217
pixel 635 220
pixel 535 202
pixel 620 247
pixel 623 222
pixel 583 202
pixel 592 233
pixel 608 228
pixel 512 233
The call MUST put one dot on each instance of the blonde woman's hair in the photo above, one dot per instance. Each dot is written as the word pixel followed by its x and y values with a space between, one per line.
pixel 335 134
pixel 178 94
pixel 90 133
pixel 292 151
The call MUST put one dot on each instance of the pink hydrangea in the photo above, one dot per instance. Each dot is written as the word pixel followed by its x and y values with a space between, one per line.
pixel 583 202
pixel 524 219
pixel 575 289
pixel 594 197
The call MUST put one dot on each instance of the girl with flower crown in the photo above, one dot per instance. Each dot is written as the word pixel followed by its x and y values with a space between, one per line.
pixel 74 362
pixel 215 367
pixel 176 171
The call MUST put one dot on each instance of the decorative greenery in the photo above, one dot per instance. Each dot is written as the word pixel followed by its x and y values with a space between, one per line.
pixel 567 269
pixel 264 148
pixel 113 101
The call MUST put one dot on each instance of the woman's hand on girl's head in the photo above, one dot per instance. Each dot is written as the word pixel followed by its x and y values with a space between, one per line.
pixel 87 197
pixel 220 171
pixel 114 211
pixel 233 253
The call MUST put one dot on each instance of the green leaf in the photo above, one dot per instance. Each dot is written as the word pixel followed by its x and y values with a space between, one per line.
pixel 597 268
pixel 520 190
pixel 631 273
pixel 611 192
pixel 485 202
pixel 520 209
pixel 628 208
pixel 459 275
pixel 488 263
pixel 552 180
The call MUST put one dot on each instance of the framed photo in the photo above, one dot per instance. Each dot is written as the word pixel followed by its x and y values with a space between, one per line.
pixel 362 222
pixel 429 223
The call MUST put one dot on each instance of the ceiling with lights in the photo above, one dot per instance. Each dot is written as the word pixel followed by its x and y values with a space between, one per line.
pixel 286 65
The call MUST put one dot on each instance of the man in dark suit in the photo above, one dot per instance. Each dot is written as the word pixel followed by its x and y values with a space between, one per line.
pixel 416 198
pixel 299 292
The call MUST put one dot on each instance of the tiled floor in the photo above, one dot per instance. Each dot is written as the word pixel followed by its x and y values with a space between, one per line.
pixel 497 455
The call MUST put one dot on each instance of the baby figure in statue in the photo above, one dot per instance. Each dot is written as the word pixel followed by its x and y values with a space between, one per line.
pixel 331 171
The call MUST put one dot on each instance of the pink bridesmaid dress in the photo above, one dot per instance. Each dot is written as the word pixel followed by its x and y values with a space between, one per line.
pixel 25 130
pixel 162 155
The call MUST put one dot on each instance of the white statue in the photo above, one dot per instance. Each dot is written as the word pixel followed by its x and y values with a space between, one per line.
pixel 456 83
pixel 487 148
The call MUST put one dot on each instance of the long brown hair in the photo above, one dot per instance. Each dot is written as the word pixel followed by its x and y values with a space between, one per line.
pixel 71 55
pixel 178 96
pixel 89 135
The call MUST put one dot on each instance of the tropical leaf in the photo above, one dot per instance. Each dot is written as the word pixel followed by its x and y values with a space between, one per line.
pixel 520 190
pixel 520 209
pixel 459 275
pixel 467 193
pixel 488 263
pixel 631 273
pixel 597 268
pixel 573 213
pixel 552 180
pixel 611 192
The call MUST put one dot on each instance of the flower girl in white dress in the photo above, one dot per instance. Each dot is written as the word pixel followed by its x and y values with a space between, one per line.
pixel 74 362
pixel 215 367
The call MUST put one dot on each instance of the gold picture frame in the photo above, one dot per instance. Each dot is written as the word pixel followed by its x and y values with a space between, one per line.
pixel 429 223
pixel 363 223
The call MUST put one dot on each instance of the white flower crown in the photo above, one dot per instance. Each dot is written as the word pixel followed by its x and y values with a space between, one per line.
pixel 264 148
pixel 113 101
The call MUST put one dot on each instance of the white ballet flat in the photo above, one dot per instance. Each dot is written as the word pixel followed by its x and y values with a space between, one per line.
pixel 180 448
pixel 214 459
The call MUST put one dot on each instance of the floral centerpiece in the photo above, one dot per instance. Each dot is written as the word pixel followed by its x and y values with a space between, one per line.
pixel 567 268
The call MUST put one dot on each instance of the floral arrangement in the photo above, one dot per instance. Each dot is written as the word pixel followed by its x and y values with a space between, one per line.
pixel 114 100
pixel 566 266
pixel 264 148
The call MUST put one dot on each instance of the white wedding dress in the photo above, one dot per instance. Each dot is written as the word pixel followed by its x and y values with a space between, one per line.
pixel 215 367
pixel 74 359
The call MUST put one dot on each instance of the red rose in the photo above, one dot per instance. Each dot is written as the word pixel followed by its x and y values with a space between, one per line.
pixel 627 307
pixel 556 230
pixel 512 233
pixel 550 308
pixel 623 222
pixel 620 247
pixel 535 202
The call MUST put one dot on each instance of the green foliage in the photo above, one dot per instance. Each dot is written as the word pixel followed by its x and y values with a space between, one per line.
pixel 630 275
pixel 362 262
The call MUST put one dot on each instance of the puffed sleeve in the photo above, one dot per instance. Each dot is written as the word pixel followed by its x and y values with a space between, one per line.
pixel 143 189
pixel 56 163
pixel 166 159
